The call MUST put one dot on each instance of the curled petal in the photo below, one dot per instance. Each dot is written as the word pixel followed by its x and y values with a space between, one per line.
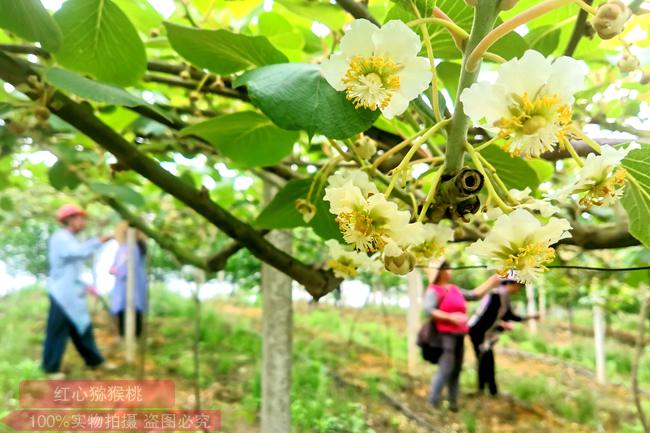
pixel 358 40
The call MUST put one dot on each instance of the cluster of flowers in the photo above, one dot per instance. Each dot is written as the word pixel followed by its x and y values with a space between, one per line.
pixel 529 105
pixel 377 230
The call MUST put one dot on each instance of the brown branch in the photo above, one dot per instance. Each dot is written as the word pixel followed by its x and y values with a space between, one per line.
pixel 317 283
pixel 357 10
pixel 578 31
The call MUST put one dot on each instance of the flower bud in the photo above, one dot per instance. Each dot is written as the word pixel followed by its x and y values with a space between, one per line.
pixel 645 76
pixel 365 147
pixel 194 96
pixel 398 261
pixel 610 19
pixel 185 74
pixel 42 113
pixel 306 209
pixel 506 5
pixel 628 63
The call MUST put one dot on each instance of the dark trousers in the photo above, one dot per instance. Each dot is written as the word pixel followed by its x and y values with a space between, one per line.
pixel 450 366
pixel 121 321
pixel 486 368
pixel 59 328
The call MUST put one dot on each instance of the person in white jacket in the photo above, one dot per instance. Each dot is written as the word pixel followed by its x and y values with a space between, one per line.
pixel 68 315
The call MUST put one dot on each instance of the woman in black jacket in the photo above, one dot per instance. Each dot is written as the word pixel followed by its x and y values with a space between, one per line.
pixel 493 317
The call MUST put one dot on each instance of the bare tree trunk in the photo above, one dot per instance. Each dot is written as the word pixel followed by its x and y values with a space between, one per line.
pixel 599 342
pixel 413 317
pixel 541 296
pixel 129 313
pixel 640 345
pixel 531 310
pixel 277 323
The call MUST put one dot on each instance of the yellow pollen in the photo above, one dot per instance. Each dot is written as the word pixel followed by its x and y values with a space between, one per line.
pixel 358 228
pixel 605 193
pixel 344 268
pixel 530 256
pixel 371 81
pixel 529 116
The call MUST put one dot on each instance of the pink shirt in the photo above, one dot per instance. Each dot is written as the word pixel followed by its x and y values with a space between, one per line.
pixel 453 301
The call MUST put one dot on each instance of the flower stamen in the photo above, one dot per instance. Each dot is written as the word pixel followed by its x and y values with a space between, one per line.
pixel 371 81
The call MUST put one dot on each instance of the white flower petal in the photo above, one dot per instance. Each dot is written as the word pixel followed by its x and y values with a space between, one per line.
pixel 415 77
pixel 525 75
pixel 567 77
pixel 358 40
pixel 398 104
pixel 333 70
pixel 397 41
pixel 485 100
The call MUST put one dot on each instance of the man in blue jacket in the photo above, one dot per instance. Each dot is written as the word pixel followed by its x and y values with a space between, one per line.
pixel 68 315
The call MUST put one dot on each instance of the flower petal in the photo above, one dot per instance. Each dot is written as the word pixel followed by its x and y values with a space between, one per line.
pixel 398 104
pixel 525 75
pixel 333 70
pixel 358 41
pixel 485 100
pixel 567 77
pixel 397 41
pixel 415 77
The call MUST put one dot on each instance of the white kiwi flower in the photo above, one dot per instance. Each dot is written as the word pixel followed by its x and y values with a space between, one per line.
pixel 601 180
pixel 346 263
pixel 530 103
pixel 520 243
pixel 379 68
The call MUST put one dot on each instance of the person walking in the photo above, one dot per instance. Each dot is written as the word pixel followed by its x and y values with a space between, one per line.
pixel 445 303
pixel 493 316
pixel 68 314
pixel 120 269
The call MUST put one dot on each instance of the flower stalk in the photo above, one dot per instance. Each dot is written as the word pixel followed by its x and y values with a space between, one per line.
pixel 488 182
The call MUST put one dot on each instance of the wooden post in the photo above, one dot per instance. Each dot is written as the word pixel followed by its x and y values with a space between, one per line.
pixel 277 333
pixel 413 317
pixel 599 342
pixel 541 295
pixel 531 310
pixel 129 321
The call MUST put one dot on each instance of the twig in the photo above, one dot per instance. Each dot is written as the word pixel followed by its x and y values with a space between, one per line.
pixel 578 31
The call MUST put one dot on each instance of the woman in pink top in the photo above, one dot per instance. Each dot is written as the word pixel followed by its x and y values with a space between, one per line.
pixel 446 304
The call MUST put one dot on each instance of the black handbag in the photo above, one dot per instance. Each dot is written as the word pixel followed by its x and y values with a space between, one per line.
pixel 430 340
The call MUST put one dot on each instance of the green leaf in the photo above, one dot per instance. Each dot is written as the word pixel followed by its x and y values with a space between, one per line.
pixel 442 43
pixel 6 204
pixel 221 51
pixel 30 20
pixel 142 14
pixel 281 212
pixel 61 177
pixel 99 40
pixel 544 169
pixel 449 73
pixel 636 199
pixel 510 46
pixel 329 14
pixel 247 138
pixel 89 89
pixel 119 192
pixel 544 39
pixel 515 172
pixel 296 97
pixel 280 32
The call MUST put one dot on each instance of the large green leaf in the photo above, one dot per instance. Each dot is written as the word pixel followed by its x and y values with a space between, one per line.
pixel 62 177
pixel 99 40
pixel 221 51
pixel 89 89
pixel 636 199
pixel 248 138
pixel 544 39
pixel 449 73
pixel 515 172
pixel 327 13
pixel 441 42
pixel 29 20
pixel 142 14
pixel 281 212
pixel 119 192
pixel 296 97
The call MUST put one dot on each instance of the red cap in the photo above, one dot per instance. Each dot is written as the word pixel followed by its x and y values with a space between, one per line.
pixel 69 210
